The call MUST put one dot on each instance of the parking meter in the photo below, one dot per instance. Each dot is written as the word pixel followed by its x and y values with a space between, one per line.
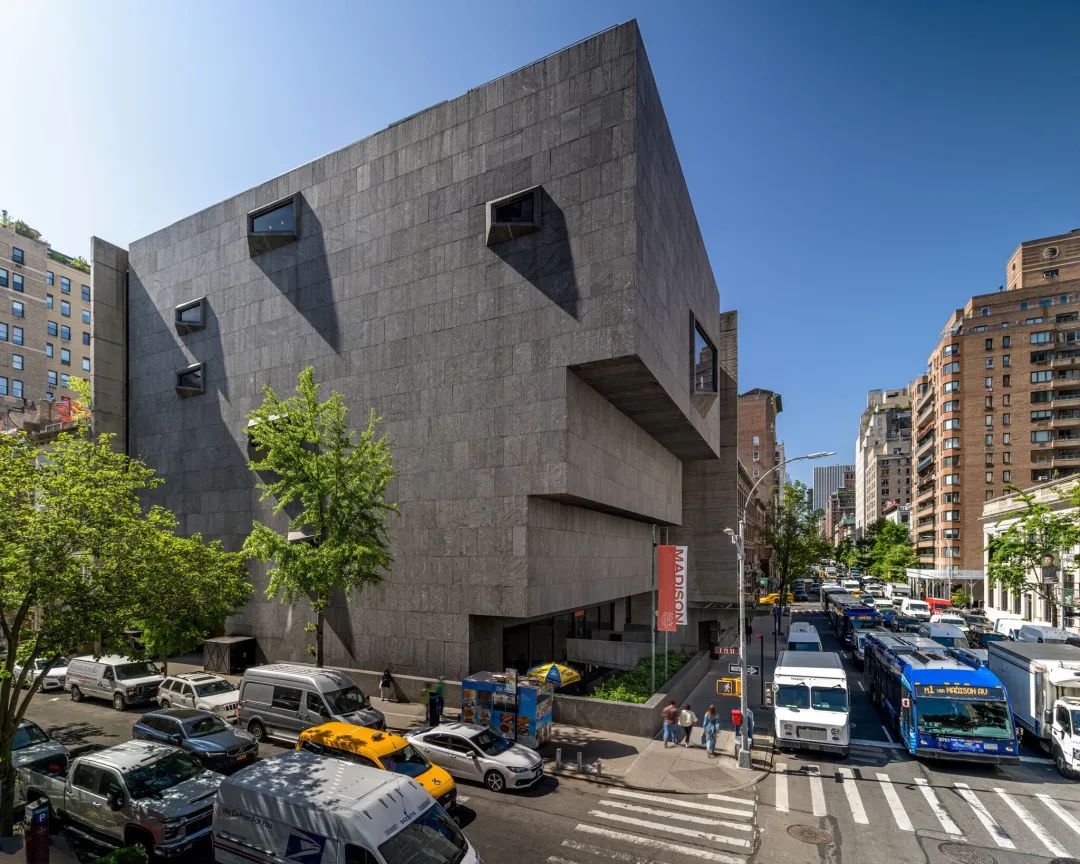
pixel 36 831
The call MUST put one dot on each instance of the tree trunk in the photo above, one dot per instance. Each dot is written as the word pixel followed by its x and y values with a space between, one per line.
pixel 7 793
pixel 319 620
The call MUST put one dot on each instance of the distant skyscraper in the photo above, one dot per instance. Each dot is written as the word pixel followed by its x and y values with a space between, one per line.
pixel 882 456
pixel 827 480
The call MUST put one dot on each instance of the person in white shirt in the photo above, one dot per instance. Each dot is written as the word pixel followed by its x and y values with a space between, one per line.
pixel 687 719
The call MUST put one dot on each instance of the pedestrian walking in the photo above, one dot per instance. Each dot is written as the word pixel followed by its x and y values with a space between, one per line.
pixel 710 725
pixel 386 685
pixel 670 715
pixel 687 719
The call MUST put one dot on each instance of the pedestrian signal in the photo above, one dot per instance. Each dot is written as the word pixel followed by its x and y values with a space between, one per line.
pixel 728 687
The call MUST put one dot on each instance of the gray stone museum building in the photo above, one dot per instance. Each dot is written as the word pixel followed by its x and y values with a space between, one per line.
pixel 516 282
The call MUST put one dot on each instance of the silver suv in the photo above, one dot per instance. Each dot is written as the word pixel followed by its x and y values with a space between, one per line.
pixel 200 690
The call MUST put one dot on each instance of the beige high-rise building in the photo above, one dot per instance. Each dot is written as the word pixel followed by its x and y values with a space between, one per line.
pixel 999 405
pixel 46 330
pixel 882 456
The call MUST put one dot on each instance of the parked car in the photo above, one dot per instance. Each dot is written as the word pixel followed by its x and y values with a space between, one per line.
pixel 903 624
pixel 216 744
pixel 281 700
pixel 121 680
pixel 137 793
pixel 774 598
pixel 200 690
pixel 981 637
pixel 30 745
pixel 1041 633
pixel 383 750
pixel 913 608
pixel 51 679
pixel 472 752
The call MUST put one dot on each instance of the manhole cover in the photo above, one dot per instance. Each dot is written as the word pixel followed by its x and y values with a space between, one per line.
pixel 810 834
pixel 966 854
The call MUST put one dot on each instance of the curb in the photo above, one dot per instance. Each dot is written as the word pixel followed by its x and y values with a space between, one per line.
pixel 759 774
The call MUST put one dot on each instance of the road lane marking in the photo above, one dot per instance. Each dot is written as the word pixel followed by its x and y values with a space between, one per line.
pixel 781 788
pixel 983 815
pixel 555 859
pixel 817 795
pixel 860 686
pixel 613 854
pixel 898 811
pixel 947 825
pixel 691 833
pixel 1052 846
pixel 678 817
pixel 1060 812
pixel 888 734
pixel 686 805
pixel 463 799
pixel 749 802
pixel 653 843
pixel 882 745
pixel 858 812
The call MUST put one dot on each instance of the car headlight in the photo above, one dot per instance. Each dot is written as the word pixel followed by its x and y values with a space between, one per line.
pixel 1076 755
pixel 788 728
pixel 520 770
pixel 131 691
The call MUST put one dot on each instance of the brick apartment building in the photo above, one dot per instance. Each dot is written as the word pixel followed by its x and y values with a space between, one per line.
pixel 758 447
pixel 882 456
pixel 999 404
pixel 840 510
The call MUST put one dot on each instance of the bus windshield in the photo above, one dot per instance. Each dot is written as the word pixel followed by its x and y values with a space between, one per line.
pixel 951 641
pixel 792 696
pixel 963 718
pixel 829 699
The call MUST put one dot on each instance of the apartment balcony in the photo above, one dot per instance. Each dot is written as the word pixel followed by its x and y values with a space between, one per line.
pixel 1066 439
pixel 925 462
pixel 1065 359
pixel 1066 395
pixel 1066 416
pixel 925 405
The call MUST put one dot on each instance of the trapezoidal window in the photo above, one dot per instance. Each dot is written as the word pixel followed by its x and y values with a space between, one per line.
pixel 274 225
pixel 191 380
pixel 191 316
pixel 704 362
pixel 513 216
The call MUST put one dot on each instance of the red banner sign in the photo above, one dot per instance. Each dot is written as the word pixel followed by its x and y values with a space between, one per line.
pixel 665 598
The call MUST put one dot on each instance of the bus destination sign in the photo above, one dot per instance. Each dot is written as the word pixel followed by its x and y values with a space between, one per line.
pixel 959 691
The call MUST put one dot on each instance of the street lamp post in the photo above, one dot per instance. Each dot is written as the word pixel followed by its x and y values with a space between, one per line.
pixel 740 550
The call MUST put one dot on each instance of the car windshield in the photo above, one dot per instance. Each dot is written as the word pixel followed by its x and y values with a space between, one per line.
pixel 1076 720
pixel 408 761
pixel 803 646
pixel 27 736
pixel 346 700
pixel 828 699
pixel 962 718
pixel 792 696
pixel 952 619
pixel 432 838
pixel 951 641
pixel 917 606
pixel 200 727
pixel 212 688
pixel 142 669
pixel 491 743
pixel 147 780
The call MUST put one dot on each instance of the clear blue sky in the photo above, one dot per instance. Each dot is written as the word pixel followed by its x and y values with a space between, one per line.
pixel 858 168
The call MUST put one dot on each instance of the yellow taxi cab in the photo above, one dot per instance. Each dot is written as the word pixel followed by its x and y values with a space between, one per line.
pixel 774 598
pixel 383 750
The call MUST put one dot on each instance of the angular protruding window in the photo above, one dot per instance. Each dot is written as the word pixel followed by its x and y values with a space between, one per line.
pixel 513 216
pixel 191 381
pixel 274 225
pixel 191 316
pixel 704 360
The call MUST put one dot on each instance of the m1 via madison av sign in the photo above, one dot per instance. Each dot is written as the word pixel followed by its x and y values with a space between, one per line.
pixel 672 594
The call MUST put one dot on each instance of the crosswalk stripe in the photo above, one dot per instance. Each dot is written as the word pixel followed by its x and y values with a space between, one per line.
pixel 781 787
pixel 613 854
pixel 1060 812
pixel 463 799
pixel 947 825
pixel 817 795
pixel 746 802
pixel 858 813
pixel 653 843
pixel 983 815
pixel 693 833
pixel 678 817
pixel 673 802
pixel 555 859
pixel 1052 846
pixel 898 811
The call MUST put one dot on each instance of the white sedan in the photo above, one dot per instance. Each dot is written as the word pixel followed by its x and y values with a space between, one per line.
pixel 472 752
pixel 54 678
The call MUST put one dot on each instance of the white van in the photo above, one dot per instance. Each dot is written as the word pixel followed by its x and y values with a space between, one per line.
pixel 803 637
pixel 918 609
pixel 1009 626
pixel 948 635
pixel 1042 633
pixel 810 702
pixel 298 806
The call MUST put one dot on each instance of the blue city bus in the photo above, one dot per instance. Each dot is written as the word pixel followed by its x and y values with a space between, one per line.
pixel 941 706
pixel 849 614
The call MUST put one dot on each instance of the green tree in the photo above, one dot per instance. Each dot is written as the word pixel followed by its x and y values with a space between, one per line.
pixel 1031 541
pixel 892 553
pixel 79 556
pixel 792 533
pixel 336 482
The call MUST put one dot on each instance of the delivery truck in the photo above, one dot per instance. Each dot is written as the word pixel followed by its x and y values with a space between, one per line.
pixel 1043 682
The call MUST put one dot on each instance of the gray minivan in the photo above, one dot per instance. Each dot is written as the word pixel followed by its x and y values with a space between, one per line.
pixel 282 700
pixel 121 680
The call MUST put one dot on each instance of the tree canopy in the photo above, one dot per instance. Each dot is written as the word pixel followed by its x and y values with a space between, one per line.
pixel 792 532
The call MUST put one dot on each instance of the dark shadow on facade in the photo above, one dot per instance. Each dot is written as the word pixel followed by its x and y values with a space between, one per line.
pixel 301 273
pixel 544 258
pixel 338 618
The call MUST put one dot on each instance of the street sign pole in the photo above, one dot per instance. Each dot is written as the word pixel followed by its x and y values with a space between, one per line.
pixel 652 618
pixel 761 644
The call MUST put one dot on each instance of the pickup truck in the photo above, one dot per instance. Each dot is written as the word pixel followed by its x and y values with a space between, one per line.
pixel 138 793
pixel 29 746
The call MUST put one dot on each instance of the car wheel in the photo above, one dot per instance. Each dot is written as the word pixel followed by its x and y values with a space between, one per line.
pixel 119 703
pixel 257 730
pixel 163 704
pixel 1061 764
pixel 76 693
pixel 494 781
pixel 141 840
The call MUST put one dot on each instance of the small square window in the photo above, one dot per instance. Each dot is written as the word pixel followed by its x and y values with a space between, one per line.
pixel 17 309
pixel 85 338
pixel 85 316
pixel 1006 457
pixel 49 278
pixel 17 283
pixel 989 494
pixel 274 225
pixel 1006 380
pixel 513 216
pixel 16 388
pixel 65 332
pixel 989 476
pixel 1006 341
pixel 53 328
pixel 16 361
pixel 48 349
pixel 191 380
pixel 988 382
pixel 17 255
pixel 86 293
pixel 48 301
pixel 985 311
pixel 1006 360
pixel 17 335
pixel 65 309
pixel 65 285
pixel 86 364
pixel 3 278
pixel 1006 476
pixel 988 344
pixel 191 316
pixel 65 357
pixel 52 377
pixel 65 380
